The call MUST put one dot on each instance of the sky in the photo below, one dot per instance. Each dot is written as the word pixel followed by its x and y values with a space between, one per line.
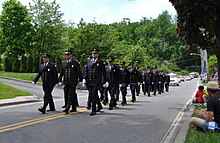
pixel 109 11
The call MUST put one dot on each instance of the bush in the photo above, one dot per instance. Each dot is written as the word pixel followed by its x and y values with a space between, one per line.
pixel 7 66
pixel 23 64
pixel 16 65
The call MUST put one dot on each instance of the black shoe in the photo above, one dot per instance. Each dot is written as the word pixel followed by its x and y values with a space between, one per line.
pixel 73 110
pixel 88 107
pixel 148 95
pixel 154 94
pixel 104 103
pixel 137 95
pixel 159 93
pixel 132 100
pixel 99 109
pixel 93 113
pixel 110 108
pixel 64 106
pixel 122 103
pixel 43 111
pixel 50 110
pixel 66 111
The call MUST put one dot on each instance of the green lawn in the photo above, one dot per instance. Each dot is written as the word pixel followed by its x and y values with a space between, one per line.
pixel 22 76
pixel 7 92
pixel 195 136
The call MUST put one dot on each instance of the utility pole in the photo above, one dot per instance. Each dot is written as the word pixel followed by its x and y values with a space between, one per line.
pixel 204 63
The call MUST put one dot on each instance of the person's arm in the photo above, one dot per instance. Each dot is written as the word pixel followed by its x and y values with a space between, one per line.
pixel 208 115
pixel 61 73
pixel 37 76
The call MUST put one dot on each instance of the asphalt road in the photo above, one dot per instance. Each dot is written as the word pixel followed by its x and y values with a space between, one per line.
pixel 145 121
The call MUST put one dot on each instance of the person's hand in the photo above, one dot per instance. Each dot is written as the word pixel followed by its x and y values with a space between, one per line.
pixel 33 83
pixel 143 82
pixel 199 112
pixel 139 83
pixel 84 81
pixel 59 83
pixel 106 85
pixel 120 85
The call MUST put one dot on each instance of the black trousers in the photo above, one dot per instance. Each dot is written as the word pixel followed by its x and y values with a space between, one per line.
pixel 147 88
pixel 166 86
pixel 154 87
pixel 134 88
pixel 48 98
pixel 105 94
pixel 144 88
pixel 138 89
pixel 124 93
pixel 93 93
pixel 159 87
pixel 113 87
pixel 70 96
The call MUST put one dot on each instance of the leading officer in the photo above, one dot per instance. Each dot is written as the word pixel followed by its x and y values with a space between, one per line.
pixel 48 73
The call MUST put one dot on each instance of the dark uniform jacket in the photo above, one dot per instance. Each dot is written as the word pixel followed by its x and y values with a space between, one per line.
pixel 113 74
pixel 48 73
pixel 125 76
pixel 147 77
pixel 167 79
pixel 156 77
pixel 95 72
pixel 71 72
pixel 134 76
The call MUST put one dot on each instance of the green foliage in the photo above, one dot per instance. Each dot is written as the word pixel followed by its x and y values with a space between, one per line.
pixel 23 64
pixel 15 25
pixel 149 42
pixel 7 64
pixel 16 65
pixel 48 26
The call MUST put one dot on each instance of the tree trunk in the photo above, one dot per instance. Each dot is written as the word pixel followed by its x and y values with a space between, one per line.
pixel 218 57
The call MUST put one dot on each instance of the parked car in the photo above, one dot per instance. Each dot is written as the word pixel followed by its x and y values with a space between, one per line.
pixel 188 78
pixel 174 79
pixel 194 74
pixel 181 78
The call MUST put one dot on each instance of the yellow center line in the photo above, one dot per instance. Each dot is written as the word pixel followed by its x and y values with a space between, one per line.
pixel 40 120
pixel 35 121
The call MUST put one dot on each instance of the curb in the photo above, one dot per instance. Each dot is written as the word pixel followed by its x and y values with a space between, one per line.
pixel 18 102
pixel 179 128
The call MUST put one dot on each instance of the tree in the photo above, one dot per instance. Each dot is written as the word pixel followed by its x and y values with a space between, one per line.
pixel 48 26
pixel 199 24
pixel 15 25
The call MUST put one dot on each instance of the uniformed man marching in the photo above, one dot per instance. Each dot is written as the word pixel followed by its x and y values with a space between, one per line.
pixel 114 78
pixel 134 81
pixel 125 80
pixel 147 81
pixel 71 75
pixel 95 73
pixel 48 73
pixel 167 81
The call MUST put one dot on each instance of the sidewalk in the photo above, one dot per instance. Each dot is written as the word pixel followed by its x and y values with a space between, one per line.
pixel 19 100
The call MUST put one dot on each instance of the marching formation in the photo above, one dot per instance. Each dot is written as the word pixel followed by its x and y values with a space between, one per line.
pixel 107 78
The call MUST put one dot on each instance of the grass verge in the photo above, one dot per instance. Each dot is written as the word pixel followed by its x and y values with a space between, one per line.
pixel 7 92
pixel 195 136
pixel 21 76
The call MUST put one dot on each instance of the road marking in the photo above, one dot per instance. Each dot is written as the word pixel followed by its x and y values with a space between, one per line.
pixel 169 134
pixel 42 119
pixel 38 120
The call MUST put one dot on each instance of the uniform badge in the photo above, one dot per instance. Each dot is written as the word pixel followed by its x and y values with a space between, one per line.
pixel 48 69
